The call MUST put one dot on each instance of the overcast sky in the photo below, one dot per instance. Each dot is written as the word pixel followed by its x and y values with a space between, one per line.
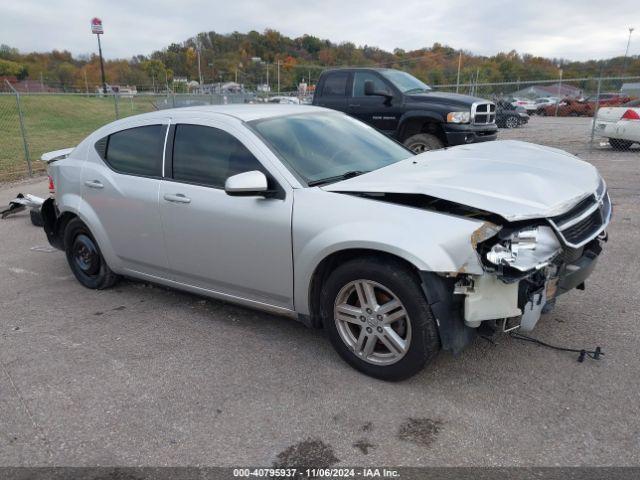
pixel 572 29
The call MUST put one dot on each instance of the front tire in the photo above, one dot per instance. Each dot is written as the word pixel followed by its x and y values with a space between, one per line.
pixel 84 257
pixel 378 319
pixel 423 142
pixel 512 122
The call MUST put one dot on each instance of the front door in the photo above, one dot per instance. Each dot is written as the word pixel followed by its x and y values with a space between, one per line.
pixel 236 246
pixel 376 110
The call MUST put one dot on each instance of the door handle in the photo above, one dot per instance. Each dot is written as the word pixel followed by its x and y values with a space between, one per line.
pixel 94 184
pixel 354 104
pixel 177 198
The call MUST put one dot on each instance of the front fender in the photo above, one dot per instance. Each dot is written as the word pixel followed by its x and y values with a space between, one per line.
pixel 420 114
pixel 325 223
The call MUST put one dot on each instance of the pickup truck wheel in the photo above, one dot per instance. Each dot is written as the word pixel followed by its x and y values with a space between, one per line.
pixel 511 122
pixel 618 144
pixel 423 142
pixel 378 319
pixel 84 257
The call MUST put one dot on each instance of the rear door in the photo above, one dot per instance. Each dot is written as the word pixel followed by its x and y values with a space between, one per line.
pixel 120 182
pixel 375 110
pixel 333 90
pixel 235 246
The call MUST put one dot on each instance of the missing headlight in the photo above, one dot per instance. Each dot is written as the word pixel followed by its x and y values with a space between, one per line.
pixel 530 248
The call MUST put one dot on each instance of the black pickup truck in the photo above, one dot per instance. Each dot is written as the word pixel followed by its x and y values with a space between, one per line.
pixel 406 109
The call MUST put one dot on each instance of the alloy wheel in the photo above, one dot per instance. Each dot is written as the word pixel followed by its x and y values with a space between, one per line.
pixel 372 321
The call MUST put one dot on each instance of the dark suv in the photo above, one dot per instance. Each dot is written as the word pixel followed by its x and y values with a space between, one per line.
pixel 406 109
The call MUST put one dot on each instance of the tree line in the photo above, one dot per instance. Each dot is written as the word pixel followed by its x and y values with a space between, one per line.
pixel 251 58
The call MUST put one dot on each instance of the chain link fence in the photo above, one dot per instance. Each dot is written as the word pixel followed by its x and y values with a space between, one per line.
pixel 556 113
pixel 560 113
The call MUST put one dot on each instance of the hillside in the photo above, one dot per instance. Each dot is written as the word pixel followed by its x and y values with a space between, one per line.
pixel 248 56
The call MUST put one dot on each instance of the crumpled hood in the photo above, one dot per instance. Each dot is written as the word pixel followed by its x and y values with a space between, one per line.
pixel 516 180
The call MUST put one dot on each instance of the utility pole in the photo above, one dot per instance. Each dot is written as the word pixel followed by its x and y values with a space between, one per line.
pixel 278 63
pixel 199 69
pixel 559 89
pixel 97 29
pixel 86 84
pixel 459 64
pixel 42 82
pixel 268 88
pixel 626 52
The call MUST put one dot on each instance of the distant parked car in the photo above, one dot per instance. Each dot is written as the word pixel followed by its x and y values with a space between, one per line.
pixel 608 99
pixel 508 116
pixel 568 108
pixel 284 100
pixel 620 125
pixel 545 102
pixel 528 105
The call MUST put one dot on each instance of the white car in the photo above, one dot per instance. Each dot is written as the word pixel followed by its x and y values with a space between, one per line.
pixel 621 125
pixel 528 105
pixel 284 100
pixel 545 101
pixel 308 213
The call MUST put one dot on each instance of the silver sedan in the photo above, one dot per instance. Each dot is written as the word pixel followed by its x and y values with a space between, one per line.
pixel 308 213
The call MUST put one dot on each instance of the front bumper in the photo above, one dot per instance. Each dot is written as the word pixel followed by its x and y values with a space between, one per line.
pixel 490 297
pixel 459 134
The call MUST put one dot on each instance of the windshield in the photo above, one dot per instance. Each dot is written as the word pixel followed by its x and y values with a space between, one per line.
pixel 327 146
pixel 405 82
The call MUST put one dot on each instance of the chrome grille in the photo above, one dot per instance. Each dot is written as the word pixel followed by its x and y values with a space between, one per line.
pixel 484 113
pixel 585 221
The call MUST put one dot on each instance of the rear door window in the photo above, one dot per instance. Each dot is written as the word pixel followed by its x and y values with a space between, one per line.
pixel 335 84
pixel 136 151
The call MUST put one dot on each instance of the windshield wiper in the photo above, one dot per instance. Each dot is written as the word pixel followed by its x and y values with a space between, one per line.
pixel 343 176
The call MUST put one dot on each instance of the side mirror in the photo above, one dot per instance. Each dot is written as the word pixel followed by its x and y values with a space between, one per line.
pixel 369 89
pixel 247 184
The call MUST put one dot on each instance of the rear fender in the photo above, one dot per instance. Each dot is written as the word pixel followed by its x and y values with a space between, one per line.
pixel 56 221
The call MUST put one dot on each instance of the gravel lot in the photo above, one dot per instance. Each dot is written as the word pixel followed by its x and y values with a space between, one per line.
pixel 141 375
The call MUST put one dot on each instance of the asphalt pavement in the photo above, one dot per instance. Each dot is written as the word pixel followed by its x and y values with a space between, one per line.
pixel 143 375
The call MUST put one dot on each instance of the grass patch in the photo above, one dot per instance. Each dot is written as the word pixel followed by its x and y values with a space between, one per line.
pixel 53 122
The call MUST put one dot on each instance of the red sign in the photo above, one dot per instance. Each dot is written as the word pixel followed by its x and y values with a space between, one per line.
pixel 96 26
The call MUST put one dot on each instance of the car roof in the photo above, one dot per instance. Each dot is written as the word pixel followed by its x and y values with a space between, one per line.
pixel 243 112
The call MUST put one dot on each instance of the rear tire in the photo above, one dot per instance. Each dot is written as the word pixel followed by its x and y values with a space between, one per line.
pixel 84 257
pixel 423 142
pixel 400 324
pixel 618 144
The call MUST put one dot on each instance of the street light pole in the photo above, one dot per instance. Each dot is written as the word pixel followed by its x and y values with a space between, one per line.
pixel 626 52
pixel 104 81
pixel 98 29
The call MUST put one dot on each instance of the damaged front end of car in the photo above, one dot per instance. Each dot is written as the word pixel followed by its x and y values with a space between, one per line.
pixel 528 264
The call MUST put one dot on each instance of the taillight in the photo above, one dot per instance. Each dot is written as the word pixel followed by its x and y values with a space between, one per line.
pixel 52 187
pixel 630 115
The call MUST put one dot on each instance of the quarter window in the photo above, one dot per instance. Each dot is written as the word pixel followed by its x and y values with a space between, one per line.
pixel 208 156
pixel 136 151
pixel 335 85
